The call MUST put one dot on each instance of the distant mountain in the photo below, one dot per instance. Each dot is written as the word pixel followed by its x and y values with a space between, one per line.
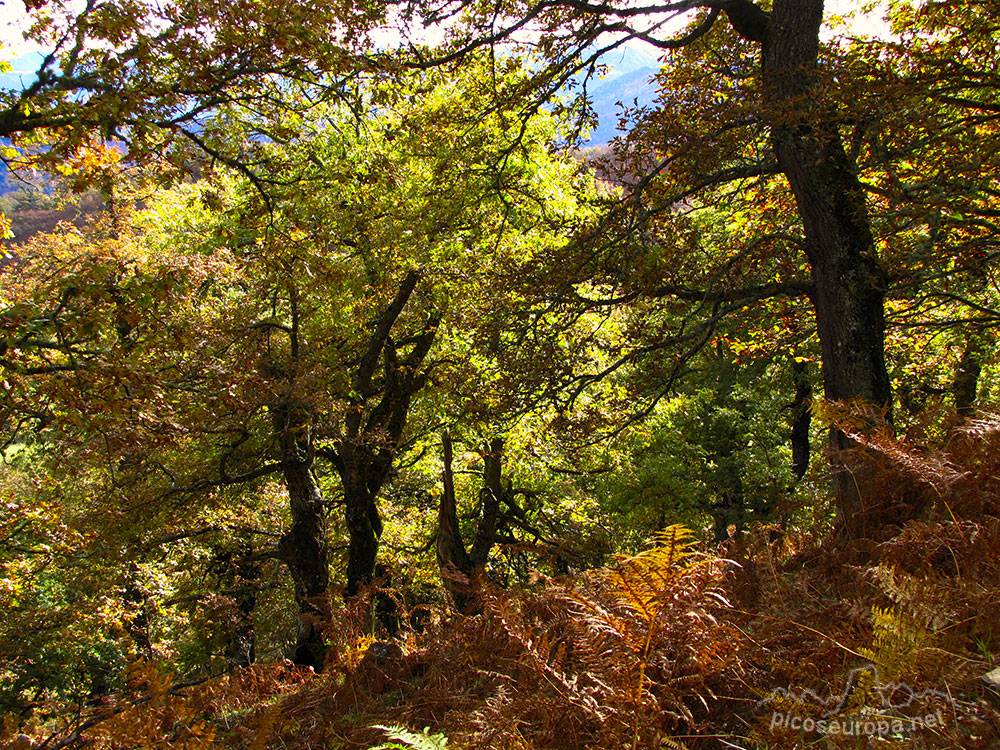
pixel 627 83
pixel 630 58
pixel 22 74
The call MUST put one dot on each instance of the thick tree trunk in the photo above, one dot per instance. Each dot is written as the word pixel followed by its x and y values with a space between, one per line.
pixel 304 547
pixel 362 475
pixel 849 282
pixel 363 529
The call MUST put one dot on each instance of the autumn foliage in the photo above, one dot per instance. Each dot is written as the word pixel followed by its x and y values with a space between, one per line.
pixel 354 409
pixel 668 647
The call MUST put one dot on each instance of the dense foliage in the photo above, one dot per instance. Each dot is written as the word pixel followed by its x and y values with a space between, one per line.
pixel 349 405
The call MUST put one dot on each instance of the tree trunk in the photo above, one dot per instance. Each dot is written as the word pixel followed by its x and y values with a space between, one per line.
pixel 849 282
pixel 492 495
pixel 240 647
pixel 801 419
pixel 373 428
pixel 304 547
pixel 304 550
pixel 452 558
pixel 459 567
pixel 136 622
pixel 238 575
pixel 361 476
pixel 728 510
pixel 363 529
pixel 966 384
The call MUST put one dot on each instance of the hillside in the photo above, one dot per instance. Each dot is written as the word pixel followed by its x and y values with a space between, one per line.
pixel 627 84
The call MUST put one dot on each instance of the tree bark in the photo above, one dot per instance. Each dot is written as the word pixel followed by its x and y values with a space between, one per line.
pixel 374 426
pixel 453 560
pixel 364 525
pixel 136 623
pixel 240 648
pixel 966 384
pixel 492 494
pixel 304 547
pixel 449 545
pixel 238 576
pixel 849 283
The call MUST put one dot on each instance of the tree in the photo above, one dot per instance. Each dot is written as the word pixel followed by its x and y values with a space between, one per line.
pixel 301 327
pixel 153 74
pixel 932 166
pixel 748 95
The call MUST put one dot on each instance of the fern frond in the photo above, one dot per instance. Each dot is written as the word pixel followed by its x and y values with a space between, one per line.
pixel 675 543
pixel 930 601
pixel 896 636
pixel 403 739
pixel 641 580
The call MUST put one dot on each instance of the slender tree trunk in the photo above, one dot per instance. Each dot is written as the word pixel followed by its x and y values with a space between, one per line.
pixel 242 578
pixel 136 624
pixel 449 545
pixel 492 495
pixel 849 282
pixel 372 430
pixel 725 510
pixel 455 562
pixel 801 419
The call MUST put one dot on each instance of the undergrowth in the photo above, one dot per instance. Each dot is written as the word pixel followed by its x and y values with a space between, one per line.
pixel 785 645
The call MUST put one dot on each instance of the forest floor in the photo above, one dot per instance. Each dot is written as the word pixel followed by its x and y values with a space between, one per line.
pixel 782 639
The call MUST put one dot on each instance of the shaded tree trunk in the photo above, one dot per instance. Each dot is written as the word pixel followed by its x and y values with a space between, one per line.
pixel 453 560
pixel 241 650
pixel 304 547
pixel 728 510
pixel 374 426
pixel 239 577
pixel 136 598
pixel 850 284
pixel 966 384
pixel 364 525
pixel 801 419
pixel 365 463
pixel 493 493
pixel 460 567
